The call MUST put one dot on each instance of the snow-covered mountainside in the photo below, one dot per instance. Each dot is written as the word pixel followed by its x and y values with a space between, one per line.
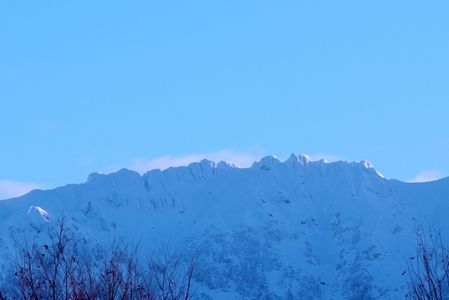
pixel 297 229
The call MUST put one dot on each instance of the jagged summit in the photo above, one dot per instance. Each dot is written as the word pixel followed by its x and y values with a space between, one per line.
pixel 205 166
pixel 121 174
pixel 298 228
pixel 294 159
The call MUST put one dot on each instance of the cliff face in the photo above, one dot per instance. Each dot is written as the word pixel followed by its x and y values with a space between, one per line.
pixel 294 229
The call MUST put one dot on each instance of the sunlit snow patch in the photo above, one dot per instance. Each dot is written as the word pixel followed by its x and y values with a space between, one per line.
pixel 40 210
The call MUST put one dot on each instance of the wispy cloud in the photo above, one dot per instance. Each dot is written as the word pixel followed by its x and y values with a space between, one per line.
pixel 142 165
pixel 425 176
pixel 10 188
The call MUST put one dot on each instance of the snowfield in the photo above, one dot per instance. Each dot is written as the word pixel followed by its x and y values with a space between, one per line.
pixel 297 229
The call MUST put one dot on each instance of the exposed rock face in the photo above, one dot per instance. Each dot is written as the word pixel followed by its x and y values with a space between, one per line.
pixel 298 229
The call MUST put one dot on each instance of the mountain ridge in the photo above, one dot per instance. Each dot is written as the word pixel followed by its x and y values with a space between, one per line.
pixel 265 162
pixel 273 230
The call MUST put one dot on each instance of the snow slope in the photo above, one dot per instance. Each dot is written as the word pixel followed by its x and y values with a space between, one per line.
pixel 297 229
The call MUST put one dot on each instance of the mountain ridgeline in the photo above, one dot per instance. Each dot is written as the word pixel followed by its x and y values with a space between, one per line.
pixel 297 229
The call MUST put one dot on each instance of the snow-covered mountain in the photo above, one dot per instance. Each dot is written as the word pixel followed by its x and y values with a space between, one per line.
pixel 297 229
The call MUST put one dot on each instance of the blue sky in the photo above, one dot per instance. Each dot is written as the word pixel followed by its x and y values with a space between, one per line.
pixel 98 85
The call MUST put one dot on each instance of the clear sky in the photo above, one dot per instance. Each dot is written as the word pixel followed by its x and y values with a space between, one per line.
pixel 97 85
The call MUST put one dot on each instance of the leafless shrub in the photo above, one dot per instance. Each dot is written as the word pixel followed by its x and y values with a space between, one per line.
pixel 429 269
pixel 171 279
pixel 62 268
pixel 2 294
